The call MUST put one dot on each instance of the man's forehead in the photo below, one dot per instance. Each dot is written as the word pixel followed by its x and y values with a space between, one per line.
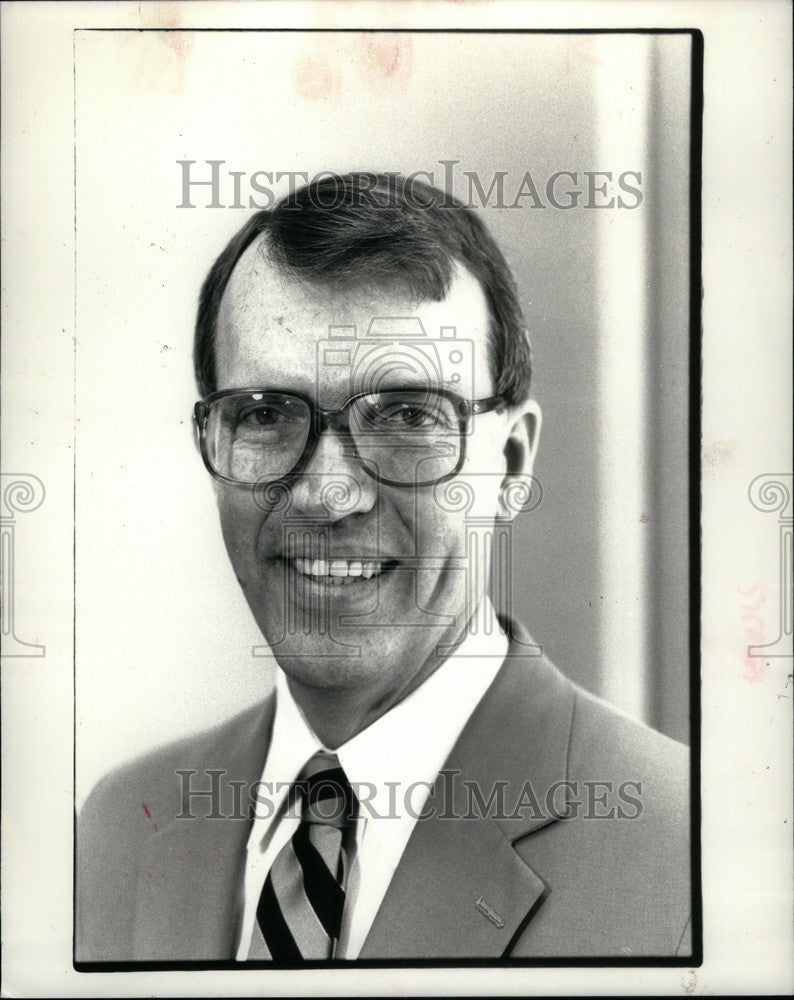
pixel 267 313
pixel 260 291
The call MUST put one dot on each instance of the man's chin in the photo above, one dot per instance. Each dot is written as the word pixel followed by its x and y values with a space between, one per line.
pixel 333 668
pixel 350 635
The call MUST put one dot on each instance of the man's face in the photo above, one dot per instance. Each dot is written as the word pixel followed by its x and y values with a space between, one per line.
pixel 410 579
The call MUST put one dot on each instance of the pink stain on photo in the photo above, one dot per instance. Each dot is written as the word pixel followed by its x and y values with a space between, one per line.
pixel 147 812
pixel 385 61
pixel 315 78
pixel 753 632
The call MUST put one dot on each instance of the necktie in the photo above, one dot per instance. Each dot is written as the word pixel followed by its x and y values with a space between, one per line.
pixel 300 908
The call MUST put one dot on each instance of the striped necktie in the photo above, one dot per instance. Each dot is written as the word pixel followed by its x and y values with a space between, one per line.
pixel 300 908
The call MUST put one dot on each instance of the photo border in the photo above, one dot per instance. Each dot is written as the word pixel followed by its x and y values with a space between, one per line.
pixel 695 960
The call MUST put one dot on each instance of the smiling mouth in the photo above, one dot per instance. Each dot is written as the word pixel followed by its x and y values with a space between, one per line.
pixel 341 572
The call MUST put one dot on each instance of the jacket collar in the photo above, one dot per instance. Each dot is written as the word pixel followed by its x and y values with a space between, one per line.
pixel 461 890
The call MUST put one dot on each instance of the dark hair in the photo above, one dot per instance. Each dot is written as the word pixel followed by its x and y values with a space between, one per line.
pixel 379 228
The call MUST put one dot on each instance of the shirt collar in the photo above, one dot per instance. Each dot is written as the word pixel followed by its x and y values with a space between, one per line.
pixel 411 741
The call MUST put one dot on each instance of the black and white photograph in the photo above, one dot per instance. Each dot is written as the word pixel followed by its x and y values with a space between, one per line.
pixel 431 388
pixel 388 476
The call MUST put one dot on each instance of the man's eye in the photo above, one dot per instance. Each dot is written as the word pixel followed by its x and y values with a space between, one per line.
pixel 414 416
pixel 265 416
pixel 410 415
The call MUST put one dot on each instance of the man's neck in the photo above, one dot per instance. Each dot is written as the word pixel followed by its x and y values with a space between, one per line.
pixel 337 715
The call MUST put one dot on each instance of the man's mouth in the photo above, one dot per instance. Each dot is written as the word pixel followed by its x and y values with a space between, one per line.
pixel 341 572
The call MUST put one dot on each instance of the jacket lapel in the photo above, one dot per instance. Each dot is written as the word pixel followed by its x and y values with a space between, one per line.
pixel 192 869
pixel 461 890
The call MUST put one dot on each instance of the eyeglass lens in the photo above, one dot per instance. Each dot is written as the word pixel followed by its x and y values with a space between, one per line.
pixel 406 436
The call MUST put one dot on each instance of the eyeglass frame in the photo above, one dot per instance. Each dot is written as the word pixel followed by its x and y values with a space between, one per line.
pixel 320 419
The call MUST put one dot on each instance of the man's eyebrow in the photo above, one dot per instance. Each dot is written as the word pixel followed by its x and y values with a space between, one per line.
pixel 407 382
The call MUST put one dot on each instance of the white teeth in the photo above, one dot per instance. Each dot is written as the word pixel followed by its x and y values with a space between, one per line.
pixel 338 571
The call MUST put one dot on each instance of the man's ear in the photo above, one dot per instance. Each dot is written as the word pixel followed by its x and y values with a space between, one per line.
pixel 520 449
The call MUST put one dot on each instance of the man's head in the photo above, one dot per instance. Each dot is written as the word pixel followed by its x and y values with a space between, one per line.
pixel 345 533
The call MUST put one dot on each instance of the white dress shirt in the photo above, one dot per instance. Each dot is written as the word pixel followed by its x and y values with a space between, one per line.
pixel 396 758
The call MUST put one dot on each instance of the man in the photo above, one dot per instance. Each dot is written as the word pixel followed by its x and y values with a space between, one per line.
pixel 420 784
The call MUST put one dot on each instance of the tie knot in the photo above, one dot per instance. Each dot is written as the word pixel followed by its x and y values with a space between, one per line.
pixel 327 796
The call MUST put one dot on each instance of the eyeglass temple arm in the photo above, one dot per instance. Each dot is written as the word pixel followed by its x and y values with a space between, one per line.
pixel 486 405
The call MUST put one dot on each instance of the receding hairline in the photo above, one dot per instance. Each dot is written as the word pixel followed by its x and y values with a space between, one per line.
pixel 395 289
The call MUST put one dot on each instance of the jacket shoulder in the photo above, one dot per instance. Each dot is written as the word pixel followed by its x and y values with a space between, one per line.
pixel 131 804
pixel 151 782
pixel 607 744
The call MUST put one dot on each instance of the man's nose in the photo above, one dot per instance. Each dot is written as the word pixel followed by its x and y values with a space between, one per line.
pixel 333 484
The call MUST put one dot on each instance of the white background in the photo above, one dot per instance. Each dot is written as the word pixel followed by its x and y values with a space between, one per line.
pixel 747 314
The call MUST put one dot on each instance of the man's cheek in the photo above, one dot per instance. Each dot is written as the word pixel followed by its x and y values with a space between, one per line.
pixel 441 538
pixel 241 525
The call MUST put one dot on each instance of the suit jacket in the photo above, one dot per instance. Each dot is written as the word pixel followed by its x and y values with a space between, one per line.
pixel 575 844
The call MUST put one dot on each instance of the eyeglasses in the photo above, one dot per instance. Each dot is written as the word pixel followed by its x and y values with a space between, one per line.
pixel 401 437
